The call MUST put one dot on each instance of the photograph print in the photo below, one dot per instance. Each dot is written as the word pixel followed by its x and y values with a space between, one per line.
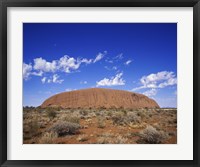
pixel 99 83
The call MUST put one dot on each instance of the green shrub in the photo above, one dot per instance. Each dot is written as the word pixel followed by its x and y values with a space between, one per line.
pixel 32 129
pixel 101 122
pixel 133 118
pixel 119 140
pixel 48 138
pixel 72 118
pixel 51 113
pixel 65 128
pixel 151 136
pixel 120 119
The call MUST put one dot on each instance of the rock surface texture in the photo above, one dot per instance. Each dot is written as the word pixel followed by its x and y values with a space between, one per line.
pixel 100 98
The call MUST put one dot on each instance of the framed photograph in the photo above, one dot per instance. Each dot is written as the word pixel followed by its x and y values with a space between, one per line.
pixel 99 83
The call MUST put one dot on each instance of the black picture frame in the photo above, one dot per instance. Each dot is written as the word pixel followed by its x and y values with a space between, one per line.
pixel 4 4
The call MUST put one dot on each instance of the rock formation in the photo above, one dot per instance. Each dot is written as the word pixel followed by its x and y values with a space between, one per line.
pixel 100 98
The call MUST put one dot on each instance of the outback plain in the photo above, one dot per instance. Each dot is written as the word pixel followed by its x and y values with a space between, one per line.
pixel 114 117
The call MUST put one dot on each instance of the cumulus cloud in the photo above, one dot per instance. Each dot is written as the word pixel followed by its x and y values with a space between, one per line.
pixel 40 73
pixel 53 79
pixel 99 56
pixel 27 68
pixel 113 81
pixel 159 80
pixel 67 64
pixel 150 93
pixel 43 65
pixel 128 62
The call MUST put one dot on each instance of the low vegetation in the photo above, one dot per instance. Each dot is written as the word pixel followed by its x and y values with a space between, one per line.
pixel 99 126
pixel 152 136
pixel 65 128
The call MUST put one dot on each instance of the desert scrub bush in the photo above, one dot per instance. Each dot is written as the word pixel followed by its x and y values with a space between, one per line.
pixel 151 136
pixel 51 113
pixel 103 140
pixel 31 129
pixel 107 139
pixel 101 113
pixel 73 118
pixel 141 114
pixel 48 138
pixel 118 118
pixel 84 112
pixel 109 113
pixel 121 119
pixel 124 111
pixel 130 135
pixel 101 122
pixel 65 128
pixel 119 140
pixel 133 118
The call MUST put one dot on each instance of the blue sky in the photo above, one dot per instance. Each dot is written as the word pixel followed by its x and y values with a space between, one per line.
pixel 138 57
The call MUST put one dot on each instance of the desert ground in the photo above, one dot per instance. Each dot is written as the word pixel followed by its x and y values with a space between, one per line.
pixel 53 125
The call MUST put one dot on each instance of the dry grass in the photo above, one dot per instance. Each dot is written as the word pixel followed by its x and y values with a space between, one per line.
pixel 151 136
pixel 82 138
pixel 65 128
pixel 73 118
pixel 51 113
pixel 101 126
pixel 48 138
pixel 101 122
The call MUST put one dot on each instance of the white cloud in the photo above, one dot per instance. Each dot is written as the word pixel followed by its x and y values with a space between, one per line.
pixel 86 61
pixel 83 82
pixel 42 65
pixel 40 73
pixel 53 79
pixel 99 56
pixel 151 92
pixel 159 80
pixel 43 79
pixel 56 80
pixel 113 81
pixel 49 81
pixel 128 62
pixel 27 68
pixel 67 64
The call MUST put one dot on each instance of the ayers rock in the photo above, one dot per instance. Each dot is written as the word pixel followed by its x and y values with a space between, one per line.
pixel 100 98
